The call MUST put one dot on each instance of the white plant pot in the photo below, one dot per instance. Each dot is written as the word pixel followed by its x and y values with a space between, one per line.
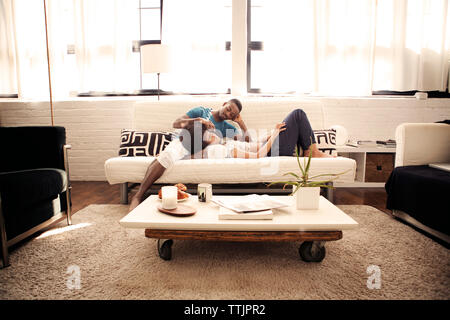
pixel 308 198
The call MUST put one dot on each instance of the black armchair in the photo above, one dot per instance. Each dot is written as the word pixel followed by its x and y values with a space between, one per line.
pixel 34 182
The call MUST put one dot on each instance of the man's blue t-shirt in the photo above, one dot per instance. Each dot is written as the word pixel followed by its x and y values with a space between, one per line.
pixel 226 129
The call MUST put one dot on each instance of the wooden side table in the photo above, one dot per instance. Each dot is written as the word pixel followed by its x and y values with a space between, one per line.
pixel 373 165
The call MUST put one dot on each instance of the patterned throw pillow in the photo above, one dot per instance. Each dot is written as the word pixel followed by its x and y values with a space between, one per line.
pixel 138 143
pixel 326 140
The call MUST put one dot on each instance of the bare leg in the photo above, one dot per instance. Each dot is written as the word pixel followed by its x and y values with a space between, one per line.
pixel 154 171
pixel 316 153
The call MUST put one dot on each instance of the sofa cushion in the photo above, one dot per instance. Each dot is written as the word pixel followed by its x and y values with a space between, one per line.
pixel 32 147
pixel 423 193
pixel 142 143
pixel 23 189
pixel 229 170
pixel 326 140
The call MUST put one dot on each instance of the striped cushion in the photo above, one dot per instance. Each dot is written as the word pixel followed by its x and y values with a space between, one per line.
pixel 326 140
pixel 140 143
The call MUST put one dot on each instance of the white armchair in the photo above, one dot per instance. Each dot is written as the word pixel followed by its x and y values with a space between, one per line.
pixel 422 143
pixel 417 193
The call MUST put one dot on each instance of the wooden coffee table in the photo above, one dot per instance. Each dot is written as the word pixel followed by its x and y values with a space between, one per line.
pixel 311 227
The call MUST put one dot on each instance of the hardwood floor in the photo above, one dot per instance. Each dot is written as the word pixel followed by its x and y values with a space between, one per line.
pixel 85 193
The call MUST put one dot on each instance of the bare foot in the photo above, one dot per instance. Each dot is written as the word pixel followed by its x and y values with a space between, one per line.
pixel 134 203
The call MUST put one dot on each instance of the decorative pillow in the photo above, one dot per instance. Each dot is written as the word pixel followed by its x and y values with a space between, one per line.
pixel 326 140
pixel 139 143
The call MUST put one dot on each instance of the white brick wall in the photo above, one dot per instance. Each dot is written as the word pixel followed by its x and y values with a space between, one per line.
pixel 93 125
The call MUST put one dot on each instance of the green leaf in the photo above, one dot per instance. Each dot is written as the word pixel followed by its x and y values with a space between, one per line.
pixel 292 183
pixel 309 159
pixel 292 174
pixel 303 181
pixel 323 182
pixel 294 191
pixel 298 162
pixel 330 174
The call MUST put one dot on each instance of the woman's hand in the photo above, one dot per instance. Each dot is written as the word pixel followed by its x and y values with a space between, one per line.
pixel 209 125
pixel 279 127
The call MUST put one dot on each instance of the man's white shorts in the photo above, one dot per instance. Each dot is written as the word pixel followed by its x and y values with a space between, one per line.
pixel 172 153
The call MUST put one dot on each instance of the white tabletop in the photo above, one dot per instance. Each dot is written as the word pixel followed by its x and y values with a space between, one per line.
pixel 327 218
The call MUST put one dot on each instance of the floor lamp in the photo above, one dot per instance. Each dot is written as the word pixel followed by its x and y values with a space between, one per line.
pixel 48 63
pixel 155 59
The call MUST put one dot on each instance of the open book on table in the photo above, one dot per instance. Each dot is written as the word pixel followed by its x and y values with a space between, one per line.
pixel 227 214
pixel 250 203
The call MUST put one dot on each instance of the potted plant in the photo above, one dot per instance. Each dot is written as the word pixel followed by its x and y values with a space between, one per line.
pixel 306 191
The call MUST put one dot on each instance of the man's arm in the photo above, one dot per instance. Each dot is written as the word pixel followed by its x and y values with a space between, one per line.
pixel 245 136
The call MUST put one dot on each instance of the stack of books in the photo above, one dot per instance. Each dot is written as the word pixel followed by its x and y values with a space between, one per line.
pixel 388 143
pixel 367 143
pixel 228 214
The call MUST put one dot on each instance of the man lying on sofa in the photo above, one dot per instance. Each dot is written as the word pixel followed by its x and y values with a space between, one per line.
pixel 175 150
pixel 298 133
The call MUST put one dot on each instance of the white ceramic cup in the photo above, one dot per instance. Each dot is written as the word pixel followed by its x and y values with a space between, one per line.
pixel 169 197
pixel 204 191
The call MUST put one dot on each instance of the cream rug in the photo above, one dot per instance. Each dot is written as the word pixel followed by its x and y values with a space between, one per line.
pixel 96 258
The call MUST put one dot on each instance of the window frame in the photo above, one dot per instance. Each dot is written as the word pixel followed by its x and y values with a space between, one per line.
pixel 251 46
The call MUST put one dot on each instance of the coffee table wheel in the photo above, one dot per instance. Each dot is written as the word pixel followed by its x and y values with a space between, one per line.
pixel 312 251
pixel 165 249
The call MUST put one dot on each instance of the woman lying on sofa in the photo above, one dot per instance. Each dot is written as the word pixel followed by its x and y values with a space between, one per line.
pixel 213 146
pixel 294 131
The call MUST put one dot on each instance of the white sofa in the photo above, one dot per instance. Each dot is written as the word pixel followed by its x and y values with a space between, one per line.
pixel 258 115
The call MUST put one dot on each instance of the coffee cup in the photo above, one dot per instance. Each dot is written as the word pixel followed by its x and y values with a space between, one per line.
pixel 169 196
pixel 204 191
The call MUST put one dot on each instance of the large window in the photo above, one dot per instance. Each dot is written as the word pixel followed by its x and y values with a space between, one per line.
pixel 95 46
pixel 347 47
pixel 197 32
pixel 339 47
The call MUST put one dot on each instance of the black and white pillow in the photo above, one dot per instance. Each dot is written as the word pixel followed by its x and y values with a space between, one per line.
pixel 139 143
pixel 326 140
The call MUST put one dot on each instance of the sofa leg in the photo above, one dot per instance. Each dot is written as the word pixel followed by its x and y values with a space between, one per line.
pixel 3 240
pixel 124 193
pixel 329 192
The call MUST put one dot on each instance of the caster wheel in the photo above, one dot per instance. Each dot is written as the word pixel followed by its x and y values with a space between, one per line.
pixel 312 251
pixel 165 249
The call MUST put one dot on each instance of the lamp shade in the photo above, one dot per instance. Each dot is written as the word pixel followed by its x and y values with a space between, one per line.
pixel 155 58
pixel 341 134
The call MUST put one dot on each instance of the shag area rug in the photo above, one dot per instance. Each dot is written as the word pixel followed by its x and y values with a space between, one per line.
pixel 96 258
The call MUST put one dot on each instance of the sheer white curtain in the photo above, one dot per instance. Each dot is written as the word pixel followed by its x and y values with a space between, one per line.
pixel 61 28
pixel 196 32
pixel 104 33
pixel 411 45
pixel 30 49
pixel 344 42
pixel 352 47
pixel 101 31
pixel 8 81
pixel 23 54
